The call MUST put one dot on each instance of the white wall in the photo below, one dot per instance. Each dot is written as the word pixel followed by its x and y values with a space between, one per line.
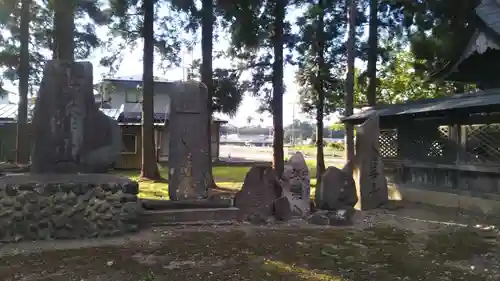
pixel 4 99
pixel 161 102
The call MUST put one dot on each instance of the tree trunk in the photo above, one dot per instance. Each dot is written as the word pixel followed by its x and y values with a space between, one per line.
pixel 372 54
pixel 207 28
pixel 64 26
pixel 349 97
pixel 277 101
pixel 22 144
pixel 149 169
pixel 320 49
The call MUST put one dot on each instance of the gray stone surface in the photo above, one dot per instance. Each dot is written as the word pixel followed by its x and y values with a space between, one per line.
pixel 336 191
pixel 70 133
pixel 296 181
pixel 188 146
pixel 368 168
pixel 260 190
pixel 283 208
pixel 39 207
pixel 341 217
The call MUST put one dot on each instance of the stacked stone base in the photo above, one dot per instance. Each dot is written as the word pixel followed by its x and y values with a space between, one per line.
pixel 64 206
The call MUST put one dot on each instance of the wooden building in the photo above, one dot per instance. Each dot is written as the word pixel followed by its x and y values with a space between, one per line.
pixel 130 124
pixel 446 151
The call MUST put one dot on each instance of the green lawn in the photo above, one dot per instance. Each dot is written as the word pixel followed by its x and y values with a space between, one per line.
pixel 227 177
pixel 310 150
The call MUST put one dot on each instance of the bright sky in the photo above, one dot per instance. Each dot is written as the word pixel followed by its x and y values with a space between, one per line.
pixel 132 65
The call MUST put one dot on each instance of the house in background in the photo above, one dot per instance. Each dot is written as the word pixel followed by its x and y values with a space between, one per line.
pixel 7 97
pixel 121 99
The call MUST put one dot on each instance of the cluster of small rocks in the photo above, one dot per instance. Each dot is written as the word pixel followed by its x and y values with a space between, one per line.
pixel 74 206
pixel 264 198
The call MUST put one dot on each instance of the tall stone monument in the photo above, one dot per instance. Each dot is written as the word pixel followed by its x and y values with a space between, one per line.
pixel 369 176
pixel 70 133
pixel 188 144
pixel 73 141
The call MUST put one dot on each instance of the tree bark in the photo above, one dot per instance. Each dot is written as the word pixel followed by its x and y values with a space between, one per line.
pixel 320 49
pixel 22 144
pixel 64 26
pixel 277 101
pixel 372 54
pixel 207 28
pixel 349 97
pixel 149 169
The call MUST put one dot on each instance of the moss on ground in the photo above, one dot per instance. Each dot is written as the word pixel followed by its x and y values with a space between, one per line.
pixel 379 253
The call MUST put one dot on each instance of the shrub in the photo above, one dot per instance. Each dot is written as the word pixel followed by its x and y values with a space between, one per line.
pixel 340 146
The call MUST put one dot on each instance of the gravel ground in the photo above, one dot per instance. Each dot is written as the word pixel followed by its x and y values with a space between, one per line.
pixel 413 243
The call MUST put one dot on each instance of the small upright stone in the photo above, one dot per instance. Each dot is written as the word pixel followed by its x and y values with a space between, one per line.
pixel 296 182
pixel 368 168
pixel 259 191
pixel 336 191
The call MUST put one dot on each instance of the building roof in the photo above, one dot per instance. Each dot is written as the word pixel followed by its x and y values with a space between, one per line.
pixel 461 101
pixel 134 78
pixel 488 11
pixel 8 112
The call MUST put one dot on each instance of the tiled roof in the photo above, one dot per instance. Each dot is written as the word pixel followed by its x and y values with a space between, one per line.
pixel 134 78
pixel 8 112
pixel 461 101
pixel 114 113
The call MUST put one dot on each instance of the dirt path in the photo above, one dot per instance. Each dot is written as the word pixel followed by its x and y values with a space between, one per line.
pixel 414 243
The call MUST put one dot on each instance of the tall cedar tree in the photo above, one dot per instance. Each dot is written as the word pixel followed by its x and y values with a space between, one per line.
pixel 207 29
pixel 349 98
pixel 64 26
pixel 278 89
pixel 320 57
pixel 22 148
pixel 372 54
pixel 149 169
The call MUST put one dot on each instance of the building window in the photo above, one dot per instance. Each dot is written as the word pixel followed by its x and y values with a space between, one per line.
pixel 132 96
pixel 129 144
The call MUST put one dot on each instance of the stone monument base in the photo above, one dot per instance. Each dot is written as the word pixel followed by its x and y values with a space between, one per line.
pixel 66 206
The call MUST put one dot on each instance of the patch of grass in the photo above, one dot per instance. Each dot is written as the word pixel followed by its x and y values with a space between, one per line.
pixel 378 254
pixel 227 177
pixel 458 245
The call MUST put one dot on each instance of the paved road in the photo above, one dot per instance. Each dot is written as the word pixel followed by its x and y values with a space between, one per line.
pixel 252 153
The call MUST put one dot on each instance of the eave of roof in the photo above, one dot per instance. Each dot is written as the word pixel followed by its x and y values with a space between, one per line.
pixel 460 101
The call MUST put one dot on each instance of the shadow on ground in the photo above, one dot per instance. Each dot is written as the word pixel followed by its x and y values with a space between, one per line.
pixel 265 253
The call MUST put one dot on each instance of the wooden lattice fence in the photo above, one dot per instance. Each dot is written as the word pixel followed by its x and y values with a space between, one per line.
pixel 482 143
pixel 388 143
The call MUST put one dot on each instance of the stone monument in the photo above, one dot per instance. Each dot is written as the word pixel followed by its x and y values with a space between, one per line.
pixel 61 198
pixel 256 198
pixel 70 133
pixel 369 176
pixel 336 197
pixel 296 184
pixel 336 191
pixel 188 147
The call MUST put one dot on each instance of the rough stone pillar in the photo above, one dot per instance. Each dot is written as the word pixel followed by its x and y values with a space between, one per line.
pixel 368 168
pixel 188 148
